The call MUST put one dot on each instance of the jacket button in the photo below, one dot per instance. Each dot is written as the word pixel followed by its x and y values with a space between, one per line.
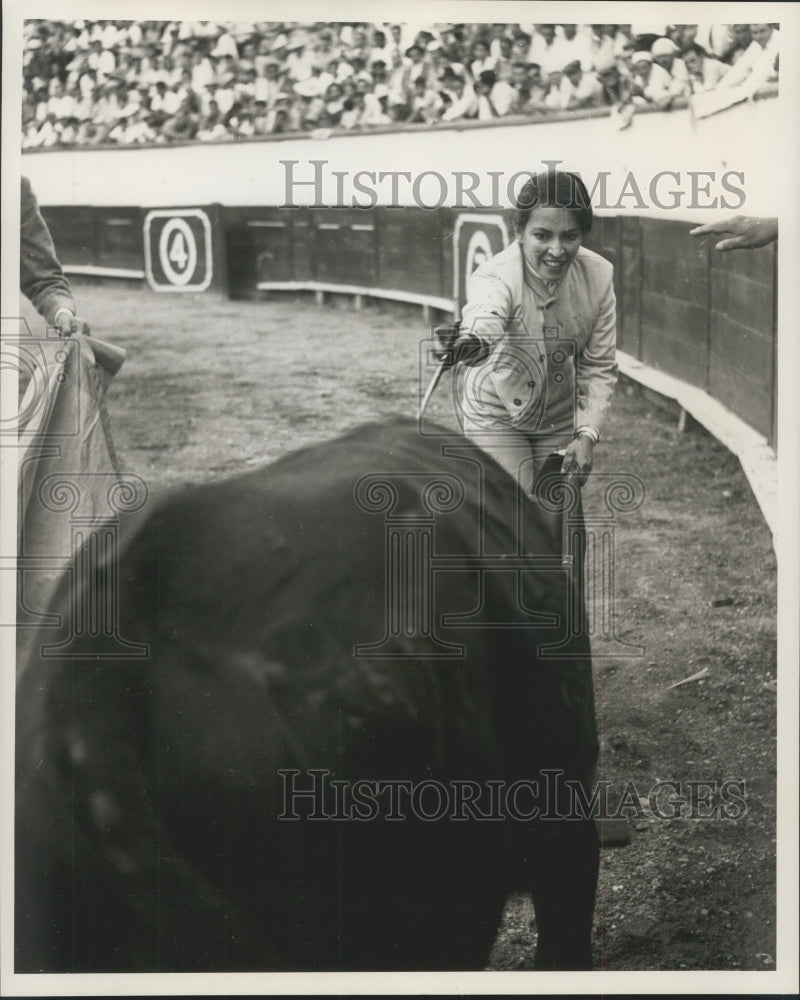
pixel 517 402
pixel 531 384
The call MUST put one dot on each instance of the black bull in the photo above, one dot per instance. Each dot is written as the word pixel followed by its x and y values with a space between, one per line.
pixel 151 826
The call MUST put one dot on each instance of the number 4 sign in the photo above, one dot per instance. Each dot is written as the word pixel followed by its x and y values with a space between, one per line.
pixel 177 250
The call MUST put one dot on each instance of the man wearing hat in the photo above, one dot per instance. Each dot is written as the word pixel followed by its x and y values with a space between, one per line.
pixel 650 83
pixel 299 61
pixel 269 84
pixel 665 55
pixel 415 64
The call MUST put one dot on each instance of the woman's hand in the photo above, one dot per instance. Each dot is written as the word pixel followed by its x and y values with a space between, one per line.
pixel 578 458
pixel 456 348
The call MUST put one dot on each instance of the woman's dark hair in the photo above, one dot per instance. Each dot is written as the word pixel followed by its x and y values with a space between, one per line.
pixel 553 189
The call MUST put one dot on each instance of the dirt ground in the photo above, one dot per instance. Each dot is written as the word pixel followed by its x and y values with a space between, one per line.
pixel 212 386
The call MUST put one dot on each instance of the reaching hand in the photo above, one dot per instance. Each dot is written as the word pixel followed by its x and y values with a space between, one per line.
pixel 742 232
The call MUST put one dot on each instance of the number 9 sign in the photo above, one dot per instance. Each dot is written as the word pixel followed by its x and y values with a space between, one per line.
pixel 177 250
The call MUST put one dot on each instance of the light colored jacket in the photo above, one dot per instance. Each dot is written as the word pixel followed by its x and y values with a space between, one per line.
pixel 553 361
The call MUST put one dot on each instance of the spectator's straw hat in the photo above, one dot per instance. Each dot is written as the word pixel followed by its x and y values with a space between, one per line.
pixel 280 43
pixel 433 45
pixel 663 47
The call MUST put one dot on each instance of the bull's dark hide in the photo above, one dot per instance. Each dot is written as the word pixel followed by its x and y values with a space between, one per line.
pixel 148 797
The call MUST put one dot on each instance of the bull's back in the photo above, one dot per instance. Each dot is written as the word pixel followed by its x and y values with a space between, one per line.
pixel 156 798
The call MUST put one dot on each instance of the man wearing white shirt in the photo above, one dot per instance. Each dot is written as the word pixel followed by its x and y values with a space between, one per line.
pixel 463 101
pixel 269 86
pixel 602 45
pixel 544 50
pixel 579 89
pixel 704 72
pixel 60 104
pixel 110 35
pixel 758 64
pixel 650 83
pixel 299 61
pixel 494 96
pixel 575 45
pixel 163 104
pixel 101 62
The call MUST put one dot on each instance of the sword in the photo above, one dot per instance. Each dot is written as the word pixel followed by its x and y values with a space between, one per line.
pixel 437 375
pixel 446 362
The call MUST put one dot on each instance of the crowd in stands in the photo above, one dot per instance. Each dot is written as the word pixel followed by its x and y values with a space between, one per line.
pixel 131 82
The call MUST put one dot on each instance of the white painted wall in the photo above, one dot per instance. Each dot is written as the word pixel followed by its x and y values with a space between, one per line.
pixel 746 139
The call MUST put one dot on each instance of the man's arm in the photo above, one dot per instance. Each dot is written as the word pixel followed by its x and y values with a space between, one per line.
pixel 42 279
pixel 742 232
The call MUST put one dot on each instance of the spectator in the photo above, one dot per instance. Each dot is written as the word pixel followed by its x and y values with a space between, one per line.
pixel 334 105
pixel 374 110
pixel 353 113
pixel 742 39
pixel 503 60
pixel 268 85
pixel 380 48
pixel 182 127
pixel 460 101
pixel 537 86
pixel 299 61
pixel 553 99
pixel 163 105
pixel 101 60
pixel 645 34
pixel 494 96
pixel 211 125
pixel 575 45
pixel 133 128
pixel 664 52
pixel 521 46
pixel 481 59
pixel 717 40
pixel 415 65
pixel 77 76
pixel 579 89
pixel 704 72
pixel 614 88
pixel 426 105
pixel 650 84
pixel 602 47
pixel 759 64
pixel 544 50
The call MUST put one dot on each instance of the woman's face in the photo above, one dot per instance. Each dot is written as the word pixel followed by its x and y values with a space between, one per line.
pixel 551 240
